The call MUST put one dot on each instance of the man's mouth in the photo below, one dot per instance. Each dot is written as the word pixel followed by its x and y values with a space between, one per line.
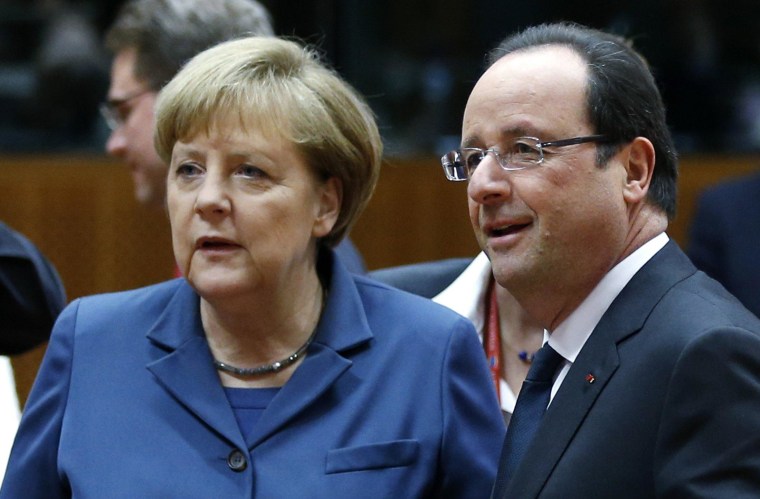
pixel 506 230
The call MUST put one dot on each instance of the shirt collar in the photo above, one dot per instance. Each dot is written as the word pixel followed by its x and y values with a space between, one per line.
pixel 466 294
pixel 570 336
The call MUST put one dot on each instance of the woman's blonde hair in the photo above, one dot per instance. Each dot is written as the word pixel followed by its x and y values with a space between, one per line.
pixel 280 88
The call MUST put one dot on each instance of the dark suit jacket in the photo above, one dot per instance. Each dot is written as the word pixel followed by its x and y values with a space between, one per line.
pixel 672 406
pixel 424 279
pixel 725 238
pixel 31 294
pixel 393 400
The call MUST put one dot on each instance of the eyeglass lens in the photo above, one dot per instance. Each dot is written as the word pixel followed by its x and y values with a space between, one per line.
pixel 112 113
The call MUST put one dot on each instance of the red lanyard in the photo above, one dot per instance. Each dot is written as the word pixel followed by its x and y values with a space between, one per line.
pixel 492 338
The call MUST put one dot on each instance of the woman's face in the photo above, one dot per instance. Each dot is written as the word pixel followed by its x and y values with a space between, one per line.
pixel 245 211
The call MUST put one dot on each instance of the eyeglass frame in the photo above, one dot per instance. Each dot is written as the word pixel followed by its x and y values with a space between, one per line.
pixel 109 109
pixel 449 165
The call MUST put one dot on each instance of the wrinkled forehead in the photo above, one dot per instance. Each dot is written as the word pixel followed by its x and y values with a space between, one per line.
pixel 536 91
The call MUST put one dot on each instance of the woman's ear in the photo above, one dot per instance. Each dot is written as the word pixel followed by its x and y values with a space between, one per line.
pixel 639 167
pixel 330 202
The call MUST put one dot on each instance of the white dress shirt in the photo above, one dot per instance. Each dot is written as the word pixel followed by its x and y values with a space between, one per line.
pixel 466 295
pixel 570 336
pixel 9 412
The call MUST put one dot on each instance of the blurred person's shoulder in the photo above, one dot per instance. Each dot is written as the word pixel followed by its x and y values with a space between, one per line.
pixel 389 305
pixel 426 279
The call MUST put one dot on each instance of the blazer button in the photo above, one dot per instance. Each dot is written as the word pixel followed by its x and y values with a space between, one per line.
pixel 237 461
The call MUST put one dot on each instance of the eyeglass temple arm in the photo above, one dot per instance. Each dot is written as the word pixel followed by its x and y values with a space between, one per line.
pixel 574 140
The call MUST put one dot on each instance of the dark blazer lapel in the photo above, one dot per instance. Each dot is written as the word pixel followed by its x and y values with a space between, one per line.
pixel 184 367
pixel 565 414
pixel 598 359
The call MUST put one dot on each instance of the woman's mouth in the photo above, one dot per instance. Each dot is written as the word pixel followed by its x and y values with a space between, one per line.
pixel 215 244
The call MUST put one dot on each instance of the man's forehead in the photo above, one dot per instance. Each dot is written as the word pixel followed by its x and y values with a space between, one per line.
pixel 524 91
pixel 123 79
pixel 537 68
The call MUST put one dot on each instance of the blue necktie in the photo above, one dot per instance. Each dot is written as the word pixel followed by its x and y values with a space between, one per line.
pixel 529 409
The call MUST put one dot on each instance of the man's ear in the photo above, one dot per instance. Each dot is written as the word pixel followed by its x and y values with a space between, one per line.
pixel 639 167
pixel 330 202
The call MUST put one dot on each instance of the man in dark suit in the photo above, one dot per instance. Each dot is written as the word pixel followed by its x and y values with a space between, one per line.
pixel 571 176
pixel 725 237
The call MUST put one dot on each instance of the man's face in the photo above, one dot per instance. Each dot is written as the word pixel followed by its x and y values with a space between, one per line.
pixel 554 229
pixel 132 140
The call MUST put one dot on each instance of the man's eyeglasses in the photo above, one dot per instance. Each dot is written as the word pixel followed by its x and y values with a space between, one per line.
pixel 518 154
pixel 113 110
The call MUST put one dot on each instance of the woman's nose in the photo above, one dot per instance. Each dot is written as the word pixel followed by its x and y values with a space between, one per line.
pixel 212 196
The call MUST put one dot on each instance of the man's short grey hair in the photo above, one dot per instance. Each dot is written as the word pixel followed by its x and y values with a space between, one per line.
pixel 167 33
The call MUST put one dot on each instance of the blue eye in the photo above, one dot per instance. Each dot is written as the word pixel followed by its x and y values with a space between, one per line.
pixel 251 171
pixel 188 170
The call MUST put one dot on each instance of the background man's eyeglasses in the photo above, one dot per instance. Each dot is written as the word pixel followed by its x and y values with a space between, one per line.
pixel 111 110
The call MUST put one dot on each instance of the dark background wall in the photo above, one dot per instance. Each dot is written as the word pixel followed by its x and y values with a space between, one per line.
pixel 415 60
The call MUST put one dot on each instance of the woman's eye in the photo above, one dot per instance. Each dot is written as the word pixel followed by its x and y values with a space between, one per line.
pixel 188 170
pixel 251 171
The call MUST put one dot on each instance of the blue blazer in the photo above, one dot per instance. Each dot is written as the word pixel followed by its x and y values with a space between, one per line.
pixel 725 237
pixel 393 400
pixel 662 401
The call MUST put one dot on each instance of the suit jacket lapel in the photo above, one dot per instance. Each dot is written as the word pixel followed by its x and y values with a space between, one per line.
pixel 184 365
pixel 598 358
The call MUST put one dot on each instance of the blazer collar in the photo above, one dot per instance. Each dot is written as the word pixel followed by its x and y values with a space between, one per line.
pixel 180 321
pixel 343 324
pixel 183 364
pixel 598 358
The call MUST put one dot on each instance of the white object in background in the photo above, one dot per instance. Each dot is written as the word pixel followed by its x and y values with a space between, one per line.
pixel 10 413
